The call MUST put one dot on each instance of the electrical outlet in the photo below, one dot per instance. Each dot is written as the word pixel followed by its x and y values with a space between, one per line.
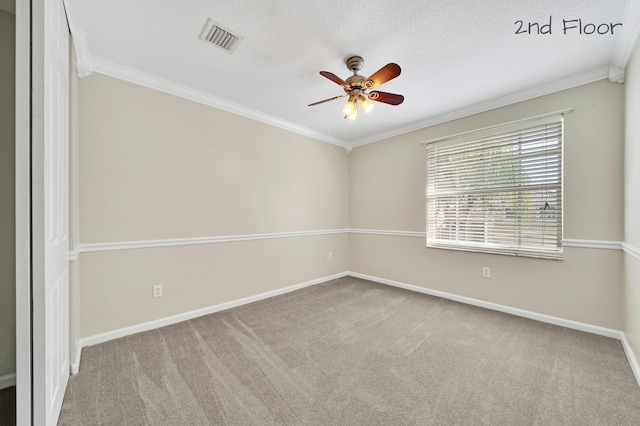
pixel 486 272
pixel 157 291
pixel 330 256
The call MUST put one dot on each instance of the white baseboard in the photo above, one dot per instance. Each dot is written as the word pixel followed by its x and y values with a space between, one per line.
pixel 633 361
pixel 7 381
pixel 162 322
pixel 75 361
pixel 575 325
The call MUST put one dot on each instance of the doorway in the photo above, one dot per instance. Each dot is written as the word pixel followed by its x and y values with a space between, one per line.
pixel 7 214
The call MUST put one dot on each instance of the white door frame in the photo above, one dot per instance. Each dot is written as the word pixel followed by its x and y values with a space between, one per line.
pixel 42 309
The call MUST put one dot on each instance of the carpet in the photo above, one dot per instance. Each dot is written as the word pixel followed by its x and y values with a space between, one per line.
pixel 353 352
pixel 8 406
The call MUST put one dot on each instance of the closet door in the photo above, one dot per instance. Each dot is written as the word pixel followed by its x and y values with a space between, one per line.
pixel 49 115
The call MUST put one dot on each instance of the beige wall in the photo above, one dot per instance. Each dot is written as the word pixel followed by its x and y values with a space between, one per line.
pixel 116 285
pixel 153 166
pixel 156 166
pixel 7 195
pixel 632 201
pixel 387 187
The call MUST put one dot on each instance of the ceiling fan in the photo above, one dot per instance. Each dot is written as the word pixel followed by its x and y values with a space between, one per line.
pixel 356 87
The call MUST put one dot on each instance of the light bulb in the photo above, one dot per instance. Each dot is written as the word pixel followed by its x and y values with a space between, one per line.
pixel 353 115
pixel 349 108
pixel 367 105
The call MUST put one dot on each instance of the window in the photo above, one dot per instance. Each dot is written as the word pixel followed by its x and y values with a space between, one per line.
pixel 498 190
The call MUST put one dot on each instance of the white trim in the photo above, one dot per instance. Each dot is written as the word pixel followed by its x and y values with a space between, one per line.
pixel 576 80
pixel 616 75
pixel 575 325
pixel 101 66
pixel 152 82
pixel 127 245
pixel 631 250
pixel 81 50
pixel 7 380
pixel 162 322
pixel 596 244
pixel 80 42
pixel 633 361
pixel 73 255
pixel 387 232
pixel 75 361
pixel 628 35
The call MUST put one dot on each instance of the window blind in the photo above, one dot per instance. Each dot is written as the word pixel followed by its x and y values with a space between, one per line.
pixel 498 191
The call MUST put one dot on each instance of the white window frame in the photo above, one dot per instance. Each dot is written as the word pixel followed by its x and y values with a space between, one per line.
pixel 436 238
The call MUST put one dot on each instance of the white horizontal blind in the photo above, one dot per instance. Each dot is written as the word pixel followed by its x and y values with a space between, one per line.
pixel 498 191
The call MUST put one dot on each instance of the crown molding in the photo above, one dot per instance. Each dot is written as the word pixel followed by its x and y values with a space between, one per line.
pixel 575 80
pixel 628 35
pixel 80 41
pixel 616 75
pixel 81 51
pixel 90 64
pixel 166 86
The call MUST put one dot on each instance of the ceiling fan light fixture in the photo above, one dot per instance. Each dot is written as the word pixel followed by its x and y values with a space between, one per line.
pixel 350 110
pixel 367 105
pixel 350 107
pixel 356 87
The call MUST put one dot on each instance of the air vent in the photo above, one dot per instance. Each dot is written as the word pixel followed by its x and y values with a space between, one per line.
pixel 220 36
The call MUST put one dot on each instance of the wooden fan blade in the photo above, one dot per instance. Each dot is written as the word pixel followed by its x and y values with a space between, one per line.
pixel 384 74
pixel 331 76
pixel 327 100
pixel 387 98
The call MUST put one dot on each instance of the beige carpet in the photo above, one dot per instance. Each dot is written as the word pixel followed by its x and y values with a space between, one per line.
pixel 8 406
pixel 352 352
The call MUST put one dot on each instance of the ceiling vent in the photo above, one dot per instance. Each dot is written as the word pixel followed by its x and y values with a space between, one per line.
pixel 220 36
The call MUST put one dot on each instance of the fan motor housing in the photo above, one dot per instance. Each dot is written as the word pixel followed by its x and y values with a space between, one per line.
pixel 354 63
pixel 355 80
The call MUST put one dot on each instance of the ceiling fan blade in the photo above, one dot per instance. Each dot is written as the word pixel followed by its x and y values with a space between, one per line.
pixel 387 98
pixel 327 100
pixel 331 76
pixel 384 74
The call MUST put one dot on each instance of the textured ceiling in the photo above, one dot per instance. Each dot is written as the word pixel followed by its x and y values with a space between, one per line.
pixel 454 54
